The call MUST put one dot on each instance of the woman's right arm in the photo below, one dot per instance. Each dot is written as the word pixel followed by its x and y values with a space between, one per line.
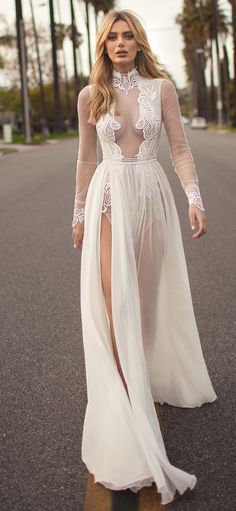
pixel 86 164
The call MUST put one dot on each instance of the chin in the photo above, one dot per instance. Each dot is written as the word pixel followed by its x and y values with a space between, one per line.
pixel 122 58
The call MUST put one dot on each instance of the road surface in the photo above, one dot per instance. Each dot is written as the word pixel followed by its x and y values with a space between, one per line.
pixel 42 374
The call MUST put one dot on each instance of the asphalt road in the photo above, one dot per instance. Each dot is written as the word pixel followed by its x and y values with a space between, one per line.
pixel 42 374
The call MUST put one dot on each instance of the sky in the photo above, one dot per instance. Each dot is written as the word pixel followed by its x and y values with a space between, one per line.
pixel 158 17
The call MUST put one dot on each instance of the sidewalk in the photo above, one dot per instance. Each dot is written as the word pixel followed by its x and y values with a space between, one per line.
pixel 9 148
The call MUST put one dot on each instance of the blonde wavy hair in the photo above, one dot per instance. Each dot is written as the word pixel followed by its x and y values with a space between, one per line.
pixel 102 93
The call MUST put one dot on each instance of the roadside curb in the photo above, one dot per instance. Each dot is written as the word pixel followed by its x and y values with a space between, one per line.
pixel 6 149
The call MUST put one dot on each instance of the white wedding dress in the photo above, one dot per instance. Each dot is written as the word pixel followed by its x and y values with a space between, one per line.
pixel 154 323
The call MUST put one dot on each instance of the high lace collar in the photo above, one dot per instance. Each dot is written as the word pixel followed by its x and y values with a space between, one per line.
pixel 125 81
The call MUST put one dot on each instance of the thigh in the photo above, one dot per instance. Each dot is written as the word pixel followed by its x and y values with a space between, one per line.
pixel 105 257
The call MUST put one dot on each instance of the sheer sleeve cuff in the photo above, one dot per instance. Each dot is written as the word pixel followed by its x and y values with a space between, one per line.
pixel 78 216
pixel 194 196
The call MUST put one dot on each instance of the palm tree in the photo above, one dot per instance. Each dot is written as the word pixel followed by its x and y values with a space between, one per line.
pixel 101 6
pixel 98 5
pixel 198 30
pixel 193 31
pixel 216 25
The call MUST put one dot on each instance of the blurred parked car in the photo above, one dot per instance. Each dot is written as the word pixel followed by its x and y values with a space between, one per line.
pixel 185 119
pixel 199 122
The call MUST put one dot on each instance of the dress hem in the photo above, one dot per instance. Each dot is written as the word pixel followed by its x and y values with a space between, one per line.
pixel 138 484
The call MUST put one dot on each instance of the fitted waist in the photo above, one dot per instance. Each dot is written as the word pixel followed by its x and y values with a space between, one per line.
pixel 130 161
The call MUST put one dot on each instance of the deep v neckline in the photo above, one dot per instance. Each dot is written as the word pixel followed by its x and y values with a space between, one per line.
pixel 147 119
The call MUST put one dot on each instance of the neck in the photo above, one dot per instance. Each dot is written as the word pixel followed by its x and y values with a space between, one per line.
pixel 123 69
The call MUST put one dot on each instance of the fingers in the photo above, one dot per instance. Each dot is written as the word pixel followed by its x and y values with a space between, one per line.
pixel 78 244
pixel 192 217
pixel 196 213
pixel 77 238
pixel 199 233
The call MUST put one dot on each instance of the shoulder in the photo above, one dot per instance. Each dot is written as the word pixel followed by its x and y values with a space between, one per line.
pixel 164 84
pixel 168 87
pixel 83 101
pixel 84 94
pixel 168 92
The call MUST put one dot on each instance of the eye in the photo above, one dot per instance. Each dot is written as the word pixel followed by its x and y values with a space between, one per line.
pixel 111 37
pixel 129 36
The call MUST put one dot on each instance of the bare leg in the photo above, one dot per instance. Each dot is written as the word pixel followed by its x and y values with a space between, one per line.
pixel 105 261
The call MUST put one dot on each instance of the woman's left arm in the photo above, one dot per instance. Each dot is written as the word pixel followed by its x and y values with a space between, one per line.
pixel 181 156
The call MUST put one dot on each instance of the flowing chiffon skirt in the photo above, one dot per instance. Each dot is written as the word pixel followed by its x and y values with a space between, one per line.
pixel 155 330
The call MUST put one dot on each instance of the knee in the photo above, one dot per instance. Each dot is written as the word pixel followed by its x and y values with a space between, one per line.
pixel 108 303
pixel 107 296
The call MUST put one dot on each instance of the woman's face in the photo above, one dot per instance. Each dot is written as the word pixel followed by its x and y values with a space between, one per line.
pixel 121 45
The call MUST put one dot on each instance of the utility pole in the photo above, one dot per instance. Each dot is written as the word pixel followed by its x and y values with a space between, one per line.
pixel 23 71
pixel 219 105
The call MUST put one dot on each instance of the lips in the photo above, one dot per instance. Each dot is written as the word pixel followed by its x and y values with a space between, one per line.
pixel 121 53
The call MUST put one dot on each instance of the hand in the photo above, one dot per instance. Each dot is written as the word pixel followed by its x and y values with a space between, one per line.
pixel 78 234
pixel 196 213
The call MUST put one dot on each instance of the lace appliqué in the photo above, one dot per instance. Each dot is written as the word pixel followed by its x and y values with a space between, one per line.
pixel 125 82
pixel 106 198
pixel 109 128
pixel 110 125
pixel 148 120
pixel 195 198
pixel 79 215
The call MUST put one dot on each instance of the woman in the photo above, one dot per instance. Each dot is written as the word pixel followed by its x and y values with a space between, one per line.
pixel 140 337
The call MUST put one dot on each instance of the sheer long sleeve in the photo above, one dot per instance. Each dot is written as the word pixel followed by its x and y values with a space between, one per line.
pixel 87 156
pixel 180 153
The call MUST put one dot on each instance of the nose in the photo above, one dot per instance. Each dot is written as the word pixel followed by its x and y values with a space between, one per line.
pixel 120 42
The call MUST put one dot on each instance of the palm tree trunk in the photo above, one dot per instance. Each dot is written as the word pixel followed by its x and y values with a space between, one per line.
pixel 74 46
pixel 212 87
pixel 23 74
pixel 226 80
pixel 57 99
pixel 67 87
pixel 45 129
pixel 87 21
pixel 215 35
pixel 233 3
pixel 202 90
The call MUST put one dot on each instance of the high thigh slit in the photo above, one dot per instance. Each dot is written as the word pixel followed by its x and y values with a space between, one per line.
pixel 105 252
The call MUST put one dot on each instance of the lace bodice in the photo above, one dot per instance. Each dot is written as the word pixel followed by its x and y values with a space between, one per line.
pixel 133 133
